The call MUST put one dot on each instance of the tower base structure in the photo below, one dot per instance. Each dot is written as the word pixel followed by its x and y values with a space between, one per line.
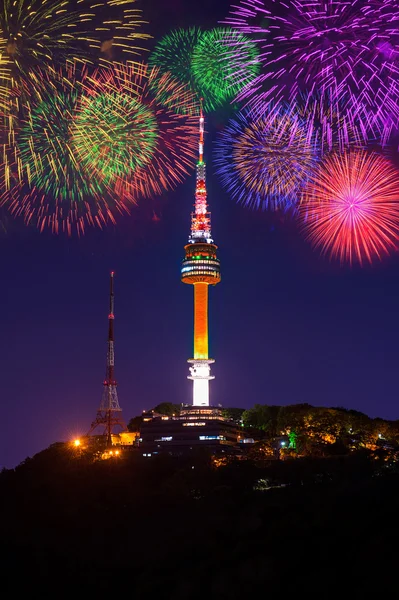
pixel 200 374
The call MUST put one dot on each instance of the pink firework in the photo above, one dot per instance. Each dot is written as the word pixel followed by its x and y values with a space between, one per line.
pixel 350 208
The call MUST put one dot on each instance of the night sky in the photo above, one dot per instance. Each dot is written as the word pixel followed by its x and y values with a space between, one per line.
pixel 286 326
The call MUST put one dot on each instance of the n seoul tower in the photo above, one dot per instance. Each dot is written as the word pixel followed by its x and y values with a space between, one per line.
pixel 200 268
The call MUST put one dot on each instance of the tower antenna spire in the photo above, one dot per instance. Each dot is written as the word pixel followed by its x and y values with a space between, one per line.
pixel 109 415
pixel 201 217
pixel 201 129
pixel 201 268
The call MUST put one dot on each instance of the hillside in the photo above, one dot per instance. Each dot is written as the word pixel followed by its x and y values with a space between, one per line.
pixel 188 528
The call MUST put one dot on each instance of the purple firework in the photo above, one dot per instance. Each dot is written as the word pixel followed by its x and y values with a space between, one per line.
pixel 347 51
pixel 264 162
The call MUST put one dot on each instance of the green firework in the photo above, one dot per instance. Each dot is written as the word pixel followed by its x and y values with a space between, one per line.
pixel 173 54
pixel 46 147
pixel 113 134
pixel 224 62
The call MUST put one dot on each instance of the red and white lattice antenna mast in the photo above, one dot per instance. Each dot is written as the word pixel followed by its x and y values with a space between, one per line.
pixel 109 415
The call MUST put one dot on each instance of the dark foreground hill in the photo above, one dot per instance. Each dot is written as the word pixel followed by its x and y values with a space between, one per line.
pixel 186 529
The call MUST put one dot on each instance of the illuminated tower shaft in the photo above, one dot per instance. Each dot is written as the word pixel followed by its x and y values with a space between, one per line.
pixel 109 415
pixel 201 268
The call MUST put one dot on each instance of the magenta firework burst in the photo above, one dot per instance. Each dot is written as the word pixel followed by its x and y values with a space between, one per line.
pixel 350 207
pixel 347 50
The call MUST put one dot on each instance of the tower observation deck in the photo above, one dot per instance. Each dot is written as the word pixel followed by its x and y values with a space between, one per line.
pixel 200 268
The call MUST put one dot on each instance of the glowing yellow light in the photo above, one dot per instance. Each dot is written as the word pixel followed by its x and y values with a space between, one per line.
pixel 201 320
pixel 76 443
pixel 116 452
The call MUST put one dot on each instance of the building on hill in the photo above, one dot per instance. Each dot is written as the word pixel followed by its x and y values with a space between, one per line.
pixel 195 428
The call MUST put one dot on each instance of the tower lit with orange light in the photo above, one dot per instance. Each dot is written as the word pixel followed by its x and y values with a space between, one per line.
pixel 200 268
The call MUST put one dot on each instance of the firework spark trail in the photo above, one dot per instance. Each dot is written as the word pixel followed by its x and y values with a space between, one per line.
pixel 330 124
pixel 37 32
pixel 350 208
pixel 264 163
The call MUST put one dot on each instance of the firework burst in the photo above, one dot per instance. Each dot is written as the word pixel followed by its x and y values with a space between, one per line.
pixel 173 54
pixel 350 208
pixel 264 163
pixel 45 143
pixel 113 134
pixel 37 37
pixel 347 51
pixel 224 63
pixel 176 143
pixel 90 147
pixel 216 65
pixel 35 33
pixel 52 188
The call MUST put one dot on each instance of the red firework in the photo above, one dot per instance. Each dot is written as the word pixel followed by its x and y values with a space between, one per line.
pixel 350 209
